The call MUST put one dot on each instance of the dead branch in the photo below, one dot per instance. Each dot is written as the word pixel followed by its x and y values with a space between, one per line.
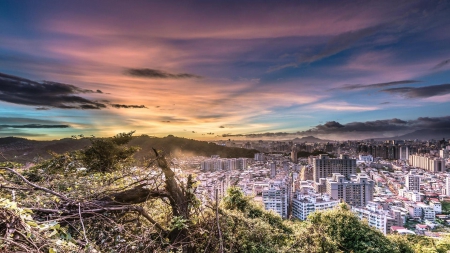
pixel 35 185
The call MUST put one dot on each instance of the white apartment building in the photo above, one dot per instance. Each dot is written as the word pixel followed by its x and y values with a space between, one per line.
pixel 412 181
pixel 415 211
pixel 304 204
pixel 374 214
pixel 432 164
pixel 437 206
pixel 275 198
pixel 447 185
pixel 365 159
pixel 355 192
pixel 411 195
pixel 379 218
pixel 427 212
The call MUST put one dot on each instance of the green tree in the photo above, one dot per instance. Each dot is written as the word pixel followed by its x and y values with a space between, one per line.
pixel 109 154
pixel 340 230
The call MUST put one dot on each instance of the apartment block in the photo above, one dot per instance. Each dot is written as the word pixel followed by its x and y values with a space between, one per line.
pixel 355 192
pixel 324 167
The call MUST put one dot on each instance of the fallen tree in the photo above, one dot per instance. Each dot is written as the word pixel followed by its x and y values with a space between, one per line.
pixel 124 203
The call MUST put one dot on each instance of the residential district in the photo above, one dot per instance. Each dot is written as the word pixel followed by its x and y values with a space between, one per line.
pixel 397 186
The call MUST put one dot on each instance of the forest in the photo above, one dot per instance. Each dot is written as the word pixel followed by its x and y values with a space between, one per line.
pixel 97 200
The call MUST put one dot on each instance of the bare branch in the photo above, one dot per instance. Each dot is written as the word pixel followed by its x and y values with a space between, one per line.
pixel 35 185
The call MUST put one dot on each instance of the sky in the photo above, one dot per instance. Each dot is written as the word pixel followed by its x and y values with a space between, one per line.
pixel 224 69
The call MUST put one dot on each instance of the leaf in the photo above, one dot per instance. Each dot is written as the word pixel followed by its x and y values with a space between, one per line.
pixel 52 250
pixel 32 223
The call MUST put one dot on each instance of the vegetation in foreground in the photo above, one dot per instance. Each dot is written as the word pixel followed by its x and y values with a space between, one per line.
pixel 111 206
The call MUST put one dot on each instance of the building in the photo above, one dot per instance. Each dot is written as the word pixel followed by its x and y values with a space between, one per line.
pixel 379 218
pixel 404 153
pixel 275 198
pixel 447 185
pixel 412 181
pixel 365 159
pixel 444 153
pixel 436 205
pixel 260 157
pixel 427 211
pixel 241 163
pixel 428 163
pixel 355 192
pixel 273 169
pixel 324 167
pixel 304 204
pixel 294 154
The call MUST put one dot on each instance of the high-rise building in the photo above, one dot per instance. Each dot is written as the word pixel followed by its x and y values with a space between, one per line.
pixel 324 166
pixel 432 164
pixel 447 185
pixel 355 192
pixel 294 151
pixel 404 153
pixel 259 157
pixel 241 163
pixel 412 181
pixel 273 169
pixel 275 198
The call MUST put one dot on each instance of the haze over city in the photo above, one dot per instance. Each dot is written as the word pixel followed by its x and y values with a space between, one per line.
pixel 224 69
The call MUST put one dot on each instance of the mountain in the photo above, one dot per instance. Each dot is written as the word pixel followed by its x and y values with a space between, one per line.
pixel 24 150
pixel 426 134
pixel 309 139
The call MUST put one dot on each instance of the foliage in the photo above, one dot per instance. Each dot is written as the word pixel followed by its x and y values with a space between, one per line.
pixel 108 154
pixel 171 144
pixel 19 232
pixel 445 207
pixel 340 230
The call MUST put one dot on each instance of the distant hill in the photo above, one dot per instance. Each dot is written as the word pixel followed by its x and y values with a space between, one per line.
pixel 426 134
pixel 422 134
pixel 24 150
pixel 309 139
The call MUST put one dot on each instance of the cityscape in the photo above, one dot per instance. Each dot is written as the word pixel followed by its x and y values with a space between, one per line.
pixel 225 126
pixel 397 186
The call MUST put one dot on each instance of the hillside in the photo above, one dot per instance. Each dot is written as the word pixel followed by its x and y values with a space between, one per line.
pixel 24 150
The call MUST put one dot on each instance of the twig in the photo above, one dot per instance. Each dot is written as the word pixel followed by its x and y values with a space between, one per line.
pixel 82 224
pixel 218 224
pixel 35 185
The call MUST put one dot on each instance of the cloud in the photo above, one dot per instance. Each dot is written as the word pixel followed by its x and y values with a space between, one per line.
pixel 334 46
pixel 343 106
pixel 341 42
pixel 441 64
pixel 158 74
pixel 375 85
pixel 129 106
pixel 22 91
pixel 34 126
pixel 420 92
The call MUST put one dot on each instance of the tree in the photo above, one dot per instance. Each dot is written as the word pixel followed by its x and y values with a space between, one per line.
pixel 340 230
pixel 106 155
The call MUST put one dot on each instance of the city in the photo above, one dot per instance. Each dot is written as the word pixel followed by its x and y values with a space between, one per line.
pixel 397 186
